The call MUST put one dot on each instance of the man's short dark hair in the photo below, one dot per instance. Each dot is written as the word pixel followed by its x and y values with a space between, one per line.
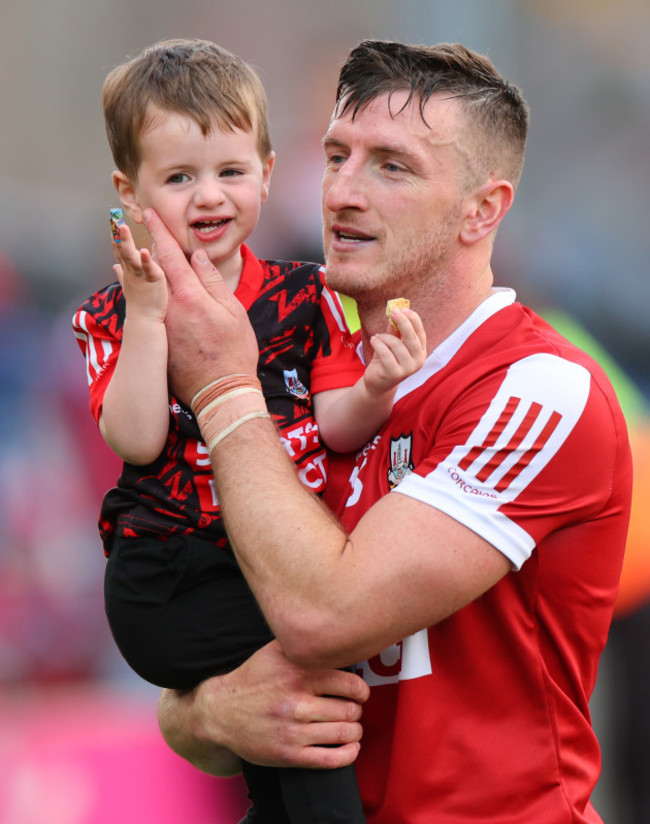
pixel 496 111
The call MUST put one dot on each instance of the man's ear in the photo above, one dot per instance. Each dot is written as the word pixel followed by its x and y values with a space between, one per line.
pixel 487 207
pixel 126 191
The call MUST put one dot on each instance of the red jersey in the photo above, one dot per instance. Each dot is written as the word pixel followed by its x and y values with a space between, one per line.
pixel 305 348
pixel 518 435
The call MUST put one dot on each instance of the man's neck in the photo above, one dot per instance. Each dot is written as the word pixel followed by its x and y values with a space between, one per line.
pixel 441 313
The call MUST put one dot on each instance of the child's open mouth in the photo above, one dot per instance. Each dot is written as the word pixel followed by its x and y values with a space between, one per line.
pixel 208 231
pixel 207 226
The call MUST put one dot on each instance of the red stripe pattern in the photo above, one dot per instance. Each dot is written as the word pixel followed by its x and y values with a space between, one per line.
pixel 498 457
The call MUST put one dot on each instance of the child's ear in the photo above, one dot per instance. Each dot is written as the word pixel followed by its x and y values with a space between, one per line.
pixel 487 208
pixel 267 169
pixel 128 196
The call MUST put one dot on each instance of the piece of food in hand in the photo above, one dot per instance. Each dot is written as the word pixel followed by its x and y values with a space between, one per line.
pixel 396 303
pixel 116 217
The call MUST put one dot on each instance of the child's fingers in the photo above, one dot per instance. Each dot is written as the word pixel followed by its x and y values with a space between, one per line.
pixel 397 347
pixel 132 262
pixel 136 263
pixel 399 355
pixel 390 352
pixel 116 221
pixel 120 230
pixel 150 269
pixel 125 250
pixel 119 233
pixel 410 330
pixel 126 242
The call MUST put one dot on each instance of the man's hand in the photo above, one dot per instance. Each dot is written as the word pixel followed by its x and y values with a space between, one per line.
pixel 208 329
pixel 268 711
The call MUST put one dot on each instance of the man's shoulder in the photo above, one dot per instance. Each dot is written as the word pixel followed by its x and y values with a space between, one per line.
pixel 520 361
pixel 514 350
pixel 518 332
pixel 545 338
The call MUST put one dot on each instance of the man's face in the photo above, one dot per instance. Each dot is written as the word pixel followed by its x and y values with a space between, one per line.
pixel 391 199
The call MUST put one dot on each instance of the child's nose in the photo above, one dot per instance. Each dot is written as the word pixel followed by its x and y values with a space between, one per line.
pixel 209 192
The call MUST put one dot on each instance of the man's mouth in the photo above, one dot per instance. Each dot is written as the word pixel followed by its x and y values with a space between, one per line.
pixel 351 236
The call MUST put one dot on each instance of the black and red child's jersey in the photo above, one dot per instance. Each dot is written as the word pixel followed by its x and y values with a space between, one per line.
pixel 305 348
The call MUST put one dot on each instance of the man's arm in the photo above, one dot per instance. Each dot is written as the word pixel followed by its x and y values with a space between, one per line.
pixel 269 711
pixel 331 599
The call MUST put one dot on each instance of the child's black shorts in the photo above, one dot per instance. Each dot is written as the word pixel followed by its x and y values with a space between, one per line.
pixel 180 610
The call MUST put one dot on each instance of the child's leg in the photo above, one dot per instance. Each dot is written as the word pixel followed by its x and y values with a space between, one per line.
pixel 321 796
pixel 265 794
pixel 180 611
pixel 286 795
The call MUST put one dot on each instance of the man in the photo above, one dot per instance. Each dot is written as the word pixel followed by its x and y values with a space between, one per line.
pixel 476 566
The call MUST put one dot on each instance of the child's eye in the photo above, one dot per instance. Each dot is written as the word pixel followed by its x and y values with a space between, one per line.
pixel 179 177
pixel 231 173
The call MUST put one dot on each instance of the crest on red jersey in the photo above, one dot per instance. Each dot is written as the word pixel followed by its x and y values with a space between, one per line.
pixel 401 459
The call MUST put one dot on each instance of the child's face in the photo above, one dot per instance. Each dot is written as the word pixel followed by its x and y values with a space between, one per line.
pixel 207 190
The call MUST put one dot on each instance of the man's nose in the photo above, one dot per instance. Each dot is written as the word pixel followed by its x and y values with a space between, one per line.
pixel 345 189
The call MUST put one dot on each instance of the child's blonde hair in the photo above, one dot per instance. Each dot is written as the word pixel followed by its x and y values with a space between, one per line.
pixel 196 78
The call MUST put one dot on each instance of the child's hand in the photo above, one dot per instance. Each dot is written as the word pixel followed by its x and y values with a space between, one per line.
pixel 397 354
pixel 143 281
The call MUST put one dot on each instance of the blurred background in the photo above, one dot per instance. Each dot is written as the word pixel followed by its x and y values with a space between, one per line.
pixel 78 737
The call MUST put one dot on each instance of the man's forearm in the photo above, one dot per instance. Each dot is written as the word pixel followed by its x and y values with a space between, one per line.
pixel 333 600
pixel 327 598
pixel 287 544
pixel 177 723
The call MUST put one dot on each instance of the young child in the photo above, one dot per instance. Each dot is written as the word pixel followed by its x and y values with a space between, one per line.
pixel 187 125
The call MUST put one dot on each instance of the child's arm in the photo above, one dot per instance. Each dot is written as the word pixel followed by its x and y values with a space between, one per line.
pixel 348 418
pixel 135 413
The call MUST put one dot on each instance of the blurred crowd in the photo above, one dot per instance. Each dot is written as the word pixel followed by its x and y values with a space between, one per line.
pixel 52 475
